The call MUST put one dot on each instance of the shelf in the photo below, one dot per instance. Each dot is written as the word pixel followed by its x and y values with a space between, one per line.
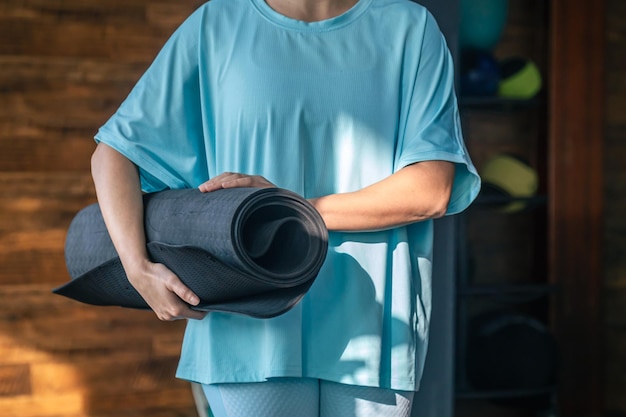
pixel 509 289
pixel 495 103
pixel 509 293
pixel 504 394
pixel 501 200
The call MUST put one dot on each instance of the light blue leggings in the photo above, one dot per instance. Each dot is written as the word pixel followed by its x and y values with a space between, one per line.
pixel 305 397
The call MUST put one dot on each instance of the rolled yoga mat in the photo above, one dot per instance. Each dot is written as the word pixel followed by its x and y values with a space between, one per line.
pixel 243 250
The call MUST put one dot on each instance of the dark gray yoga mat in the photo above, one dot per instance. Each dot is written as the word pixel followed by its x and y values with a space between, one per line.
pixel 244 250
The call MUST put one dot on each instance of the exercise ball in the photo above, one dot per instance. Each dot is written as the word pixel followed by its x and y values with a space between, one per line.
pixel 511 351
pixel 480 73
pixel 507 176
pixel 482 23
pixel 519 78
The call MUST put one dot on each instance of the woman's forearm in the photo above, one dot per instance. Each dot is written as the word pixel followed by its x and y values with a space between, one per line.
pixel 417 192
pixel 119 194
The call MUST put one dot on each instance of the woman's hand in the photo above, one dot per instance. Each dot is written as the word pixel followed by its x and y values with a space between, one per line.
pixel 119 194
pixel 417 192
pixel 234 180
pixel 164 292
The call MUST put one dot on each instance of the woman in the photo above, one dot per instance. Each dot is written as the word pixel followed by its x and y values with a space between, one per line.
pixel 348 103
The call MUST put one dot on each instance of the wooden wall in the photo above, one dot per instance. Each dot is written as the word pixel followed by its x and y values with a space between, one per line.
pixel 65 65
pixel 615 213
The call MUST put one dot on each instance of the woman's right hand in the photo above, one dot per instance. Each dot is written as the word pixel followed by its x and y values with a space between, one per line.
pixel 165 293
pixel 118 189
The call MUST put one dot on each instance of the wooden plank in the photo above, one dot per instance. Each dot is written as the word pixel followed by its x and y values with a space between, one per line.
pixel 61 110
pixel 169 402
pixel 34 73
pixel 70 336
pixel 137 12
pixel 41 37
pixel 128 401
pixel 35 36
pixel 35 153
pixel 63 335
pixel 168 15
pixel 188 411
pixel 80 352
pixel 34 351
pixel 102 359
pixel 576 199
pixel 69 185
pixel 35 212
pixel 28 265
pixel 99 374
pixel 40 203
pixel 15 380
pixel 51 109
pixel 167 344
pixel 79 9
pixel 40 406
pixel 32 316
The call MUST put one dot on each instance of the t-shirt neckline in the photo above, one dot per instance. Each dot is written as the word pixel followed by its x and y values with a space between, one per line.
pixel 322 25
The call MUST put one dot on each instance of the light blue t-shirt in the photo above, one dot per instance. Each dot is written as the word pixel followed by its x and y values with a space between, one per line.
pixel 317 108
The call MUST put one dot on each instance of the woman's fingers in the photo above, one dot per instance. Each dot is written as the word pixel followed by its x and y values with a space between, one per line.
pixel 234 180
pixel 166 294
pixel 214 183
pixel 247 181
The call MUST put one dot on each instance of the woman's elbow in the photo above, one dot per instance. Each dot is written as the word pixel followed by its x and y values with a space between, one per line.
pixel 440 208
pixel 441 191
pixel 431 183
pixel 437 207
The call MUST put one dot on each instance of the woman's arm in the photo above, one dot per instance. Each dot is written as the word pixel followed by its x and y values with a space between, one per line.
pixel 417 192
pixel 119 194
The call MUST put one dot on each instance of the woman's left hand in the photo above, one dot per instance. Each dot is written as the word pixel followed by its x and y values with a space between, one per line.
pixel 234 180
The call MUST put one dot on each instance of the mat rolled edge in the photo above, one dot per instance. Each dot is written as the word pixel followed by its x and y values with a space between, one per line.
pixel 278 299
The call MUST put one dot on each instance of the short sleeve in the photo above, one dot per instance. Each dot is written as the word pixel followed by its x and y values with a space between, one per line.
pixel 159 125
pixel 430 124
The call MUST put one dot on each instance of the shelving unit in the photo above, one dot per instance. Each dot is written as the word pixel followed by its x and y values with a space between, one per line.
pixel 502 274
pixel 507 299
pixel 502 263
pixel 566 146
